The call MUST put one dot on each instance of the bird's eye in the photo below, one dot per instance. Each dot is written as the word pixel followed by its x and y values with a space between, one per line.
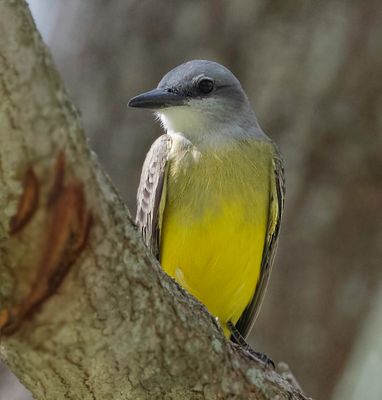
pixel 206 86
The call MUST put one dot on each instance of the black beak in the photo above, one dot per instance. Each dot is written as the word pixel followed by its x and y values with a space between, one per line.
pixel 157 98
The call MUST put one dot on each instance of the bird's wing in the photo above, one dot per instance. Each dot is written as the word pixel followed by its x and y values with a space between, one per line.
pixel 152 193
pixel 276 206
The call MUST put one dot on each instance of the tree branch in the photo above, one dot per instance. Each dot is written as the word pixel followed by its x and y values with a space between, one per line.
pixel 85 311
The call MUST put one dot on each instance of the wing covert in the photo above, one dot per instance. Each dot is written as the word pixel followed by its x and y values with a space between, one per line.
pixel 151 193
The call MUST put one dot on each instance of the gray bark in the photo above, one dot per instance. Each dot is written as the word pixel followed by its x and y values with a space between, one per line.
pixel 85 311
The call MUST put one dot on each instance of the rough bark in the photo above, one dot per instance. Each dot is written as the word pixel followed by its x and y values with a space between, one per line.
pixel 86 313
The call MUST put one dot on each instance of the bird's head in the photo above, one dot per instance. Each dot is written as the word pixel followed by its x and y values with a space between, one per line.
pixel 198 97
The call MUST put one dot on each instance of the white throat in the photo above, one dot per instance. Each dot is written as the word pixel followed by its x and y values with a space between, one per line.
pixel 183 120
pixel 202 128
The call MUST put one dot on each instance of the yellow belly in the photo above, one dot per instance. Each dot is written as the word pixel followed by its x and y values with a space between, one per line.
pixel 215 256
pixel 213 234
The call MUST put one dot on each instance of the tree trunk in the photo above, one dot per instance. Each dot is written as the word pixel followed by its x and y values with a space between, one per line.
pixel 86 312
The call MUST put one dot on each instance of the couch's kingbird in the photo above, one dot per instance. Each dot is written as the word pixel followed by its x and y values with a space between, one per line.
pixel 211 193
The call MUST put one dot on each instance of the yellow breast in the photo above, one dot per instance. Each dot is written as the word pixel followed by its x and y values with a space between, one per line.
pixel 214 225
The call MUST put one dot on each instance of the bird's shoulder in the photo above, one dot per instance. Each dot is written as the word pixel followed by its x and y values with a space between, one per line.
pixel 154 165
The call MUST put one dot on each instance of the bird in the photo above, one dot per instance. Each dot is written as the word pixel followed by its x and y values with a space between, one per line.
pixel 211 194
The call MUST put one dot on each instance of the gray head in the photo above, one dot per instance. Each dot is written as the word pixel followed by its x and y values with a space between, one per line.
pixel 198 96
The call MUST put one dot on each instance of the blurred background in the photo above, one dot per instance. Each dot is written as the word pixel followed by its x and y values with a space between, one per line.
pixel 313 72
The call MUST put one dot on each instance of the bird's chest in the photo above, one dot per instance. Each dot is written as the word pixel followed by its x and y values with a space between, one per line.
pixel 226 184
pixel 198 183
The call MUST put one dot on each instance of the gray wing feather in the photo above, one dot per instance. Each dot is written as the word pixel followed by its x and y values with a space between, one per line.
pixel 249 315
pixel 150 193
